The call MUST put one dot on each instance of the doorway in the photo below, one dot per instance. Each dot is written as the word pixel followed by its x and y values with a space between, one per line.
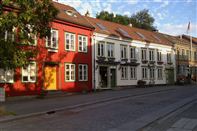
pixel 50 78
pixel 103 77
pixel 113 77
pixel 169 76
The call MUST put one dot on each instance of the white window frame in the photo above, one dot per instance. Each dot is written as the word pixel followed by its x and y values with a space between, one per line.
pixel 110 50
pixel 144 73
pixel 28 71
pixel 101 49
pixel 51 41
pixel 159 56
pixel 124 73
pixel 70 41
pixel 133 73
pixel 4 74
pixel 84 72
pixel 151 55
pixel 152 73
pixel 133 52
pixel 143 54
pixel 11 34
pixel 70 72
pixel 169 57
pixel 123 51
pixel 160 74
pixel 82 43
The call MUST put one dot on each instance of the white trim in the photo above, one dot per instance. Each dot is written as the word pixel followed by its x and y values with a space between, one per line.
pixel 5 75
pixel 51 41
pixel 28 71
pixel 70 43
pixel 70 72
pixel 83 74
pixel 83 42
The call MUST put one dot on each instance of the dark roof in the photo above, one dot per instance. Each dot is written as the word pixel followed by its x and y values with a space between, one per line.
pixel 186 37
pixel 126 32
pixel 77 19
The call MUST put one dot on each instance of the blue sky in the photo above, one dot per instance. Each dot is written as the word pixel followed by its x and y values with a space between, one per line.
pixel 171 16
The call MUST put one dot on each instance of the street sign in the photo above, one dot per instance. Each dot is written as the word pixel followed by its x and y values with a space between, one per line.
pixel 2 94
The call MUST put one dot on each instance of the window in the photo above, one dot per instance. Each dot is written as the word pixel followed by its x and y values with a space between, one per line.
pixel 102 27
pixel 52 42
pixel 151 55
pixel 29 73
pixel 123 50
pixel 6 76
pixel 133 52
pixel 195 56
pixel 188 57
pixel 69 41
pixel 140 35
pixel 133 72
pixel 159 74
pixel 110 50
pixel 143 54
pixel 144 73
pixel 69 72
pixel 71 13
pixel 83 43
pixel 152 73
pixel 183 52
pixel 83 72
pixel 159 56
pixel 123 32
pixel 34 39
pixel 101 49
pixel 124 74
pixel 169 58
pixel 9 36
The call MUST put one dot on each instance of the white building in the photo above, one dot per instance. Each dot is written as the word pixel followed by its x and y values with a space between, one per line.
pixel 123 55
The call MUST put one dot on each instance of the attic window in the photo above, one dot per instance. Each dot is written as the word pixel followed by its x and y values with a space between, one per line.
pixel 123 32
pixel 141 35
pixel 71 13
pixel 102 27
pixel 156 37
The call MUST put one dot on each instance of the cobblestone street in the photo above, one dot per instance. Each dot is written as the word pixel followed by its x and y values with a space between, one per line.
pixel 126 113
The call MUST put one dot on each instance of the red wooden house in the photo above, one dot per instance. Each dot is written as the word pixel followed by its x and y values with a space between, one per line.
pixel 63 62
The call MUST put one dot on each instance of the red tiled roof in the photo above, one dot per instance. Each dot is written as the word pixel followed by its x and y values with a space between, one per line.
pixel 133 33
pixel 62 15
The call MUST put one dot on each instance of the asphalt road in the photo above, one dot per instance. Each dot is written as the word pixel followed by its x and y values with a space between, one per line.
pixel 107 116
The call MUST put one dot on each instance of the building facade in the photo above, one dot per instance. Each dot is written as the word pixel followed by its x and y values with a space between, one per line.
pixel 124 55
pixel 63 62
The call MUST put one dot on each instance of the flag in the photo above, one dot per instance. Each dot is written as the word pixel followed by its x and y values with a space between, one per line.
pixel 188 28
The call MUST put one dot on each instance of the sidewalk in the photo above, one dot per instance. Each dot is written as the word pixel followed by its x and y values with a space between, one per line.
pixel 32 106
pixel 182 120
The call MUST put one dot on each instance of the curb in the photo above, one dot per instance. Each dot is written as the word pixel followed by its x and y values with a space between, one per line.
pixel 13 118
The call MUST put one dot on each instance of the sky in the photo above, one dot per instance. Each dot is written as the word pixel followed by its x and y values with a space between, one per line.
pixel 171 16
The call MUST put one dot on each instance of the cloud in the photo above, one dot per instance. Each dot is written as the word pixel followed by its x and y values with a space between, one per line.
pixel 164 4
pixel 73 3
pixel 132 2
pixel 127 13
pixel 177 29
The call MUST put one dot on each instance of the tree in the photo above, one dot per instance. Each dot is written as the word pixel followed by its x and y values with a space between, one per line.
pixel 20 22
pixel 141 19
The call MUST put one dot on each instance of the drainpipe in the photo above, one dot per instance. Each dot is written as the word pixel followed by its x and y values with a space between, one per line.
pixel 94 60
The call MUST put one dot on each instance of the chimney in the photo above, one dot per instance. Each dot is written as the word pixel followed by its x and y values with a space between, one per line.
pixel 87 13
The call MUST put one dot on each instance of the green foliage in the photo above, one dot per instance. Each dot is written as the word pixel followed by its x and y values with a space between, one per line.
pixel 141 19
pixel 26 20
